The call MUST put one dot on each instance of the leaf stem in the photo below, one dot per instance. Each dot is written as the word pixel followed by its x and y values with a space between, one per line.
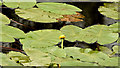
pixel 62 43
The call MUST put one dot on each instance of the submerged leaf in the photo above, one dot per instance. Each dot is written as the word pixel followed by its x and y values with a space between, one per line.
pixel 58 8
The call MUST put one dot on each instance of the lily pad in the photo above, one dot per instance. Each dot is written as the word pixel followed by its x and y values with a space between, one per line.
pixel 11 3
pixel 24 4
pixel 90 56
pixel 99 33
pixel 4 19
pixel 115 27
pixel 8 33
pixel 0 3
pixel 37 58
pixel 71 32
pixel 37 15
pixel 116 49
pixel 110 0
pixel 17 56
pixel 77 63
pixel 110 10
pixel 58 8
pixel 42 38
pixel 5 61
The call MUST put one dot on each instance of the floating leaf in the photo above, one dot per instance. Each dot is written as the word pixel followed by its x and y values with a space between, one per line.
pixel 9 33
pixel 11 3
pixel 4 19
pixel 25 4
pixel 110 10
pixel 91 56
pixel 110 0
pixel 77 63
pixel 105 50
pixel 0 3
pixel 71 32
pixel 19 3
pixel 37 58
pixel 37 15
pixel 58 8
pixel 114 28
pixel 42 38
pixel 116 49
pixel 5 61
pixel 110 62
pixel 16 56
pixel 99 33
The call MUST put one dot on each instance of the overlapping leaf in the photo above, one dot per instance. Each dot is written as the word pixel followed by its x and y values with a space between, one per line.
pixel 5 61
pixel 99 33
pixel 19 3
pixel 37 15
pixel 110 10
pixel 8 33
pixel 91 56
pixel 71 32
pixel 58 8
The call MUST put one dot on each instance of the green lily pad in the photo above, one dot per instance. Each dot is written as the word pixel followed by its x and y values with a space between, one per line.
pixel 4 19
pixel 17 56
pixel 58 8
pixel 8 33
pixel 24 4
pixel 99 33
pixel 42 38
pixel 114 28
pixel 0 3
pixel 37 15
pixel 116 49
pixel 90 56
pixel 71 32
pixel 110 62
pixel 105 50
pixel 110 0
pixel 5 61
pixel 110 10
pixel 77 63
pixel 37 58
pixel 11 3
